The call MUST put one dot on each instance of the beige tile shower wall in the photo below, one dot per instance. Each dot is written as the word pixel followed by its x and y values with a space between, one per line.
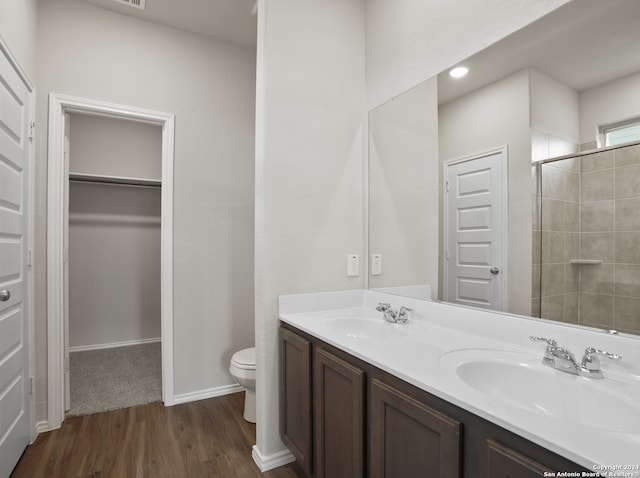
pixel 597 239
pixel 610 217
pixel 559 240
pixel 544 146
pixel 590 213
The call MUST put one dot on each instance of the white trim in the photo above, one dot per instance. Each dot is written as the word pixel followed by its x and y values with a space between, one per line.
pixel 56 184
pixel 266 463
pixel 30 296
pixel 366 178
pixel 42 426
pixel 504 151
pixel 208 393
pixel 113 345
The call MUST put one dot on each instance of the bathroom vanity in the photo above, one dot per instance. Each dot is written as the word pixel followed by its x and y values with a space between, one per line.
pixel 454 392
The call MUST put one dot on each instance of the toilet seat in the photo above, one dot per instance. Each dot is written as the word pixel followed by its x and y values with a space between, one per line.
pixel 243 370
pixel 244 359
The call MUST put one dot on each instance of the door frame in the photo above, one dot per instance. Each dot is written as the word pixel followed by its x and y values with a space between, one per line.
pixel 504 151
pixel 57 179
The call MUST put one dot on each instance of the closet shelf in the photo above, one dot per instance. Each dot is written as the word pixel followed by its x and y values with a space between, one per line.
pixel 116 180
pixel 586 262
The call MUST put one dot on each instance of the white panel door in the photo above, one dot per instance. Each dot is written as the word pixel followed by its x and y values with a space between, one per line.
pixel 475 232
pixel 15 388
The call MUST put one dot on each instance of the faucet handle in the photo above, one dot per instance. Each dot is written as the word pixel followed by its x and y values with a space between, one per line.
pixel 403 314
pixel 383 306
pixel 551 342
pixel 590 360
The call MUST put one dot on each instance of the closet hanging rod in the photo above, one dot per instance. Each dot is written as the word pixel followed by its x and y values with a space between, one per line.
pixel 114 180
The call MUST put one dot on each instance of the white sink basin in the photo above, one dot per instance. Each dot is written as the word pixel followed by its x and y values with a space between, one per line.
pixel 520 380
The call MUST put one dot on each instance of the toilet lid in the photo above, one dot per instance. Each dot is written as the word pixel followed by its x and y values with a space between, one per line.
pixel 246 358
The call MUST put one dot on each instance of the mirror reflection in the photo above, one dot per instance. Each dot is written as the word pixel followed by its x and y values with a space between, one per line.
pixel 454 199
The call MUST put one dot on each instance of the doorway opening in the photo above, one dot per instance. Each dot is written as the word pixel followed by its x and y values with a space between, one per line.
pixel 112 312
pixel 133 202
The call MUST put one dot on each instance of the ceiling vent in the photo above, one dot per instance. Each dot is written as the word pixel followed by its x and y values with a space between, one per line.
pixel 132 3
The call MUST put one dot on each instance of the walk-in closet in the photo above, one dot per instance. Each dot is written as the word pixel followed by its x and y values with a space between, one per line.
pixel 112 311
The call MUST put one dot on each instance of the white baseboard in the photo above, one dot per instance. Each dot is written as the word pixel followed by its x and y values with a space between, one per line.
pixel 42 426
pixel 266 463
pixel 84 348
pixel 208 393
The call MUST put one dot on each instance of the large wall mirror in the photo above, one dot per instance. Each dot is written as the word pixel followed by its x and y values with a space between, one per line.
pixel 467 203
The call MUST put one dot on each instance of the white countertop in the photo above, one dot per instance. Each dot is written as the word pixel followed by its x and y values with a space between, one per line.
pixel 420 353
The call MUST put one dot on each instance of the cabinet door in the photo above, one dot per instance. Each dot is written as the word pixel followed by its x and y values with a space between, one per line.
pixel 338 397
pixel 504 462
pixel 295 397
pixel 410 439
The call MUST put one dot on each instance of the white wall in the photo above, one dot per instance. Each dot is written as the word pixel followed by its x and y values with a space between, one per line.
pixel 309 154
pixel 115 147
pixel 309 168
pixel 409 41
pixel 554 107
pixel 404 196
pixel 614 101
pixel 114 264
pixel 490 117
pixel 18 21
pixel 89 52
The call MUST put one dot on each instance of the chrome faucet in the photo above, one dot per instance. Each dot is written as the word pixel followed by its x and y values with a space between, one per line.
pixel 403 315
pixel 390 315
pixel 562 359
pixel 591 364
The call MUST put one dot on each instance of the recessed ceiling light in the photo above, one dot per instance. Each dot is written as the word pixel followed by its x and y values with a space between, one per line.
pixel 458 71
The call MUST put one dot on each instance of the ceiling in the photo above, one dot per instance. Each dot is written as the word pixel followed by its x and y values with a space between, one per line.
pixel 582 44
pixel 231 21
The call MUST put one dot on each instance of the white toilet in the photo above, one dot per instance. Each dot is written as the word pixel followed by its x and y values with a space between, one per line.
pixel 243 369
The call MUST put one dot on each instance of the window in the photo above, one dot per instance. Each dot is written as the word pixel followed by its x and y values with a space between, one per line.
pixel 620 133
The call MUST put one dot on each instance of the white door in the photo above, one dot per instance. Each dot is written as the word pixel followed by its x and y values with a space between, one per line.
pixel 15 385
pixel 474 235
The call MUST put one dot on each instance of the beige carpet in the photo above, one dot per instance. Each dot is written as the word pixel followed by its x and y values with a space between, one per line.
pixel 120 377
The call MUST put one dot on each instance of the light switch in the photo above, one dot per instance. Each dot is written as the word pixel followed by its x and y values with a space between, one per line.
pixel 376 264
pixel 353 265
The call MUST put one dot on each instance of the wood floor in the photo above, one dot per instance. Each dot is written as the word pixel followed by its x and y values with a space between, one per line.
pixel 208 438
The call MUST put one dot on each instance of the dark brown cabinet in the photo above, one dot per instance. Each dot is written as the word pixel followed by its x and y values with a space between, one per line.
pixel 409 438
pixel 339 415
pixel 295 397
pixel 343 417
pixel 504 462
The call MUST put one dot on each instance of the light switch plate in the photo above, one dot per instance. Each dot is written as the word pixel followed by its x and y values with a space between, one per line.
pixel 376 264
pixel 353 265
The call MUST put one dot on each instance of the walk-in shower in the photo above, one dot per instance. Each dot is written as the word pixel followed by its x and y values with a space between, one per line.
pixel 586 239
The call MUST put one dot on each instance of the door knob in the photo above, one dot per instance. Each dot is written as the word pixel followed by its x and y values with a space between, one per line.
pixel 5 295
pixel 494 271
